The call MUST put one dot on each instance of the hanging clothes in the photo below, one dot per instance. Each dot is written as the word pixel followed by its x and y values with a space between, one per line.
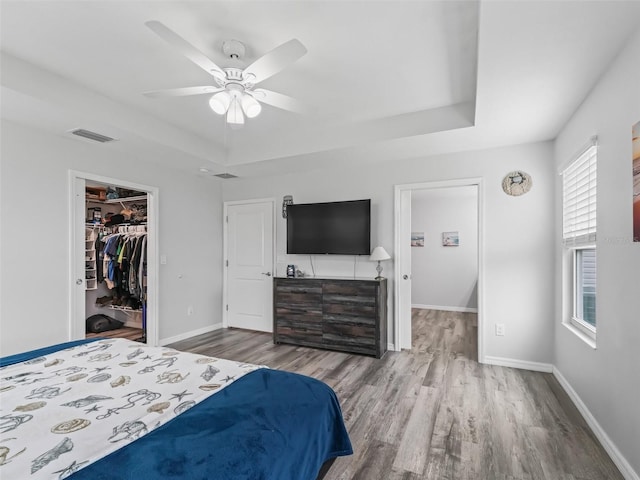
pixel 124 259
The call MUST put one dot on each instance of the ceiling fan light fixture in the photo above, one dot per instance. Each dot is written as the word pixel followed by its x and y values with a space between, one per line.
pixel 220 102
pixel 234 114
pixel 251 106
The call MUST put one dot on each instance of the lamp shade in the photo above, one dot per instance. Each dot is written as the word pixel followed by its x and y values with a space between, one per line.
pixel 379 253
pixel 250 106
pixel 219 103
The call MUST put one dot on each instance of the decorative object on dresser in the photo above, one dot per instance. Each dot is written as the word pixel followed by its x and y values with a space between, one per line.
pixel 379 254
pixel 343 314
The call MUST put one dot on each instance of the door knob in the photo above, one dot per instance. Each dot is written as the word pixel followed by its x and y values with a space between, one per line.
pixel 405 277
pixel 79 281
pixel 268 274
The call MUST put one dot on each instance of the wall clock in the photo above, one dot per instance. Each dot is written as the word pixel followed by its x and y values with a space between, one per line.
pixel 516 183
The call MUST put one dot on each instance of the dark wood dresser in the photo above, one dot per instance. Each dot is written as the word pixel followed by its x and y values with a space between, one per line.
pixel 349 315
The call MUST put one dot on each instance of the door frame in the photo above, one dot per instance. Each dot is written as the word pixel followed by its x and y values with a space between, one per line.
pixel 403 249
pixel 77 182
pixel 225 246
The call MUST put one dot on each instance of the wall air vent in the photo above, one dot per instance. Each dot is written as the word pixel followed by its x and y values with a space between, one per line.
pixel 96 137
pixel 225 175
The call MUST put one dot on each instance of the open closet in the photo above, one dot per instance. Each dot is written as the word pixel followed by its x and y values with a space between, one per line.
pixel 115 262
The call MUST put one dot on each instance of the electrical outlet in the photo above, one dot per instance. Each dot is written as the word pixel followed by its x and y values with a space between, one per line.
pixel 190 310
pixel 500 329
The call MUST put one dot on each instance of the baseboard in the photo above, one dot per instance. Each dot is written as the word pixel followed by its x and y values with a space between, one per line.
pixel 521 364
pixel 446 309
pixel 192 333
pixel 623 465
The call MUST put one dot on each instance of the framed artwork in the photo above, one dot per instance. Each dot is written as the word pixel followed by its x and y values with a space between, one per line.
pixel 450 239
pixel 635 142
pixel 417 239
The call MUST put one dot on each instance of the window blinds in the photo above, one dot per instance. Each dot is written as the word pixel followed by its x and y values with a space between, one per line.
pixel 579 181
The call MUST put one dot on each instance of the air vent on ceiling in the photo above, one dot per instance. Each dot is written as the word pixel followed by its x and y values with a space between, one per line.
pixel 225 175
pixel 96 137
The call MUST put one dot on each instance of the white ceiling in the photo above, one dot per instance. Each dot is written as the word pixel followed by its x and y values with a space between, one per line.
pixel 384 80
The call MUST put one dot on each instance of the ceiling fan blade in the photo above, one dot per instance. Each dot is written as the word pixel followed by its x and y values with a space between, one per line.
pixel 279 100
pixel 182 92
pixel 274 61
pixel 184 47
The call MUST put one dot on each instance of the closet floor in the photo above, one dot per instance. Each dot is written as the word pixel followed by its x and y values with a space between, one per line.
pixel 129 333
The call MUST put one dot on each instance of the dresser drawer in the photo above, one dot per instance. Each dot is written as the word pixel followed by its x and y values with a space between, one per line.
pixel 349 289
pixel 299 330
pixel 298 293
pixel 350 312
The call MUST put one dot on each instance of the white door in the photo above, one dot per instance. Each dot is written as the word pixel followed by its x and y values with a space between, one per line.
pixel 77 268
pixel 404 269
pixel 250 265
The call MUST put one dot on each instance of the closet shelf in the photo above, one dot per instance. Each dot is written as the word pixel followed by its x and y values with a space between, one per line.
pixel 123 309
pixel 139 198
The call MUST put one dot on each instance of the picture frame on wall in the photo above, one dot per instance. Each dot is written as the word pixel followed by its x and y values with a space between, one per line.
pixel 635 146
pixel 417 239
pixel 450 239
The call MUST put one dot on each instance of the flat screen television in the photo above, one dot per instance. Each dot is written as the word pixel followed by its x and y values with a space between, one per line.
pixel 338 228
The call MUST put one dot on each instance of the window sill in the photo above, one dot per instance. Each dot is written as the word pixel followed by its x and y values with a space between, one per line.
pixel 581 335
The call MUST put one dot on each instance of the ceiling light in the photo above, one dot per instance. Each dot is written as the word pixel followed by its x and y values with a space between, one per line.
pixel 234 114
pixel 236 104
pixel 250 106
pixel 219 103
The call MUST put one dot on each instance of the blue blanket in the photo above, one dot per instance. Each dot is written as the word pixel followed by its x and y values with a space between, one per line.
pixel 268 425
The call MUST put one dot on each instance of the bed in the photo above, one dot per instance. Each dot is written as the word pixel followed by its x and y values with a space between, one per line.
pixel 82 410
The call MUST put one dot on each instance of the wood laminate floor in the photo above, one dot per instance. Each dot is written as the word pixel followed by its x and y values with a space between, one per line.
pixel 129 333
pixel 434 412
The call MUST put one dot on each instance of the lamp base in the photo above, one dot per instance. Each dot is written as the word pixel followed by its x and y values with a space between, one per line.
pixel 379 270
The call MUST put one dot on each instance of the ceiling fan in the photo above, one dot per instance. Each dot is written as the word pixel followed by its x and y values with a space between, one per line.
pixel 234 93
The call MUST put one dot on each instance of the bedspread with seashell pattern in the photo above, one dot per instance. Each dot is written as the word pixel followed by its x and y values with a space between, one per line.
pixel 66 410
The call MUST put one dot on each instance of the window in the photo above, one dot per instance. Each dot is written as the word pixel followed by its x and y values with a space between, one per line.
pixel 579 182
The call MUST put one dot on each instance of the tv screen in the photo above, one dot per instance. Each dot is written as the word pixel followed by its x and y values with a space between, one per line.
pixel 338 228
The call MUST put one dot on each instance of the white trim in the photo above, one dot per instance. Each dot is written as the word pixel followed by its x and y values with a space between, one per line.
pixel 445 308
pixel 593 142
pixel 477 181
pixel 225 240
pixel 391 347
pixel 580 334
pixel 623 465
pixel 153 199
pixel 521 364
pixel 192 333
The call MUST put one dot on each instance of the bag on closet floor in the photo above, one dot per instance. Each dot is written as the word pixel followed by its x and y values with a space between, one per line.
pixel 102 323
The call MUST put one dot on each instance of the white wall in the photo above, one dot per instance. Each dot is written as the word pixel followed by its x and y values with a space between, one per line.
pixel 34 243
pixel 445 277
pixel 607 379
pixel 518 236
